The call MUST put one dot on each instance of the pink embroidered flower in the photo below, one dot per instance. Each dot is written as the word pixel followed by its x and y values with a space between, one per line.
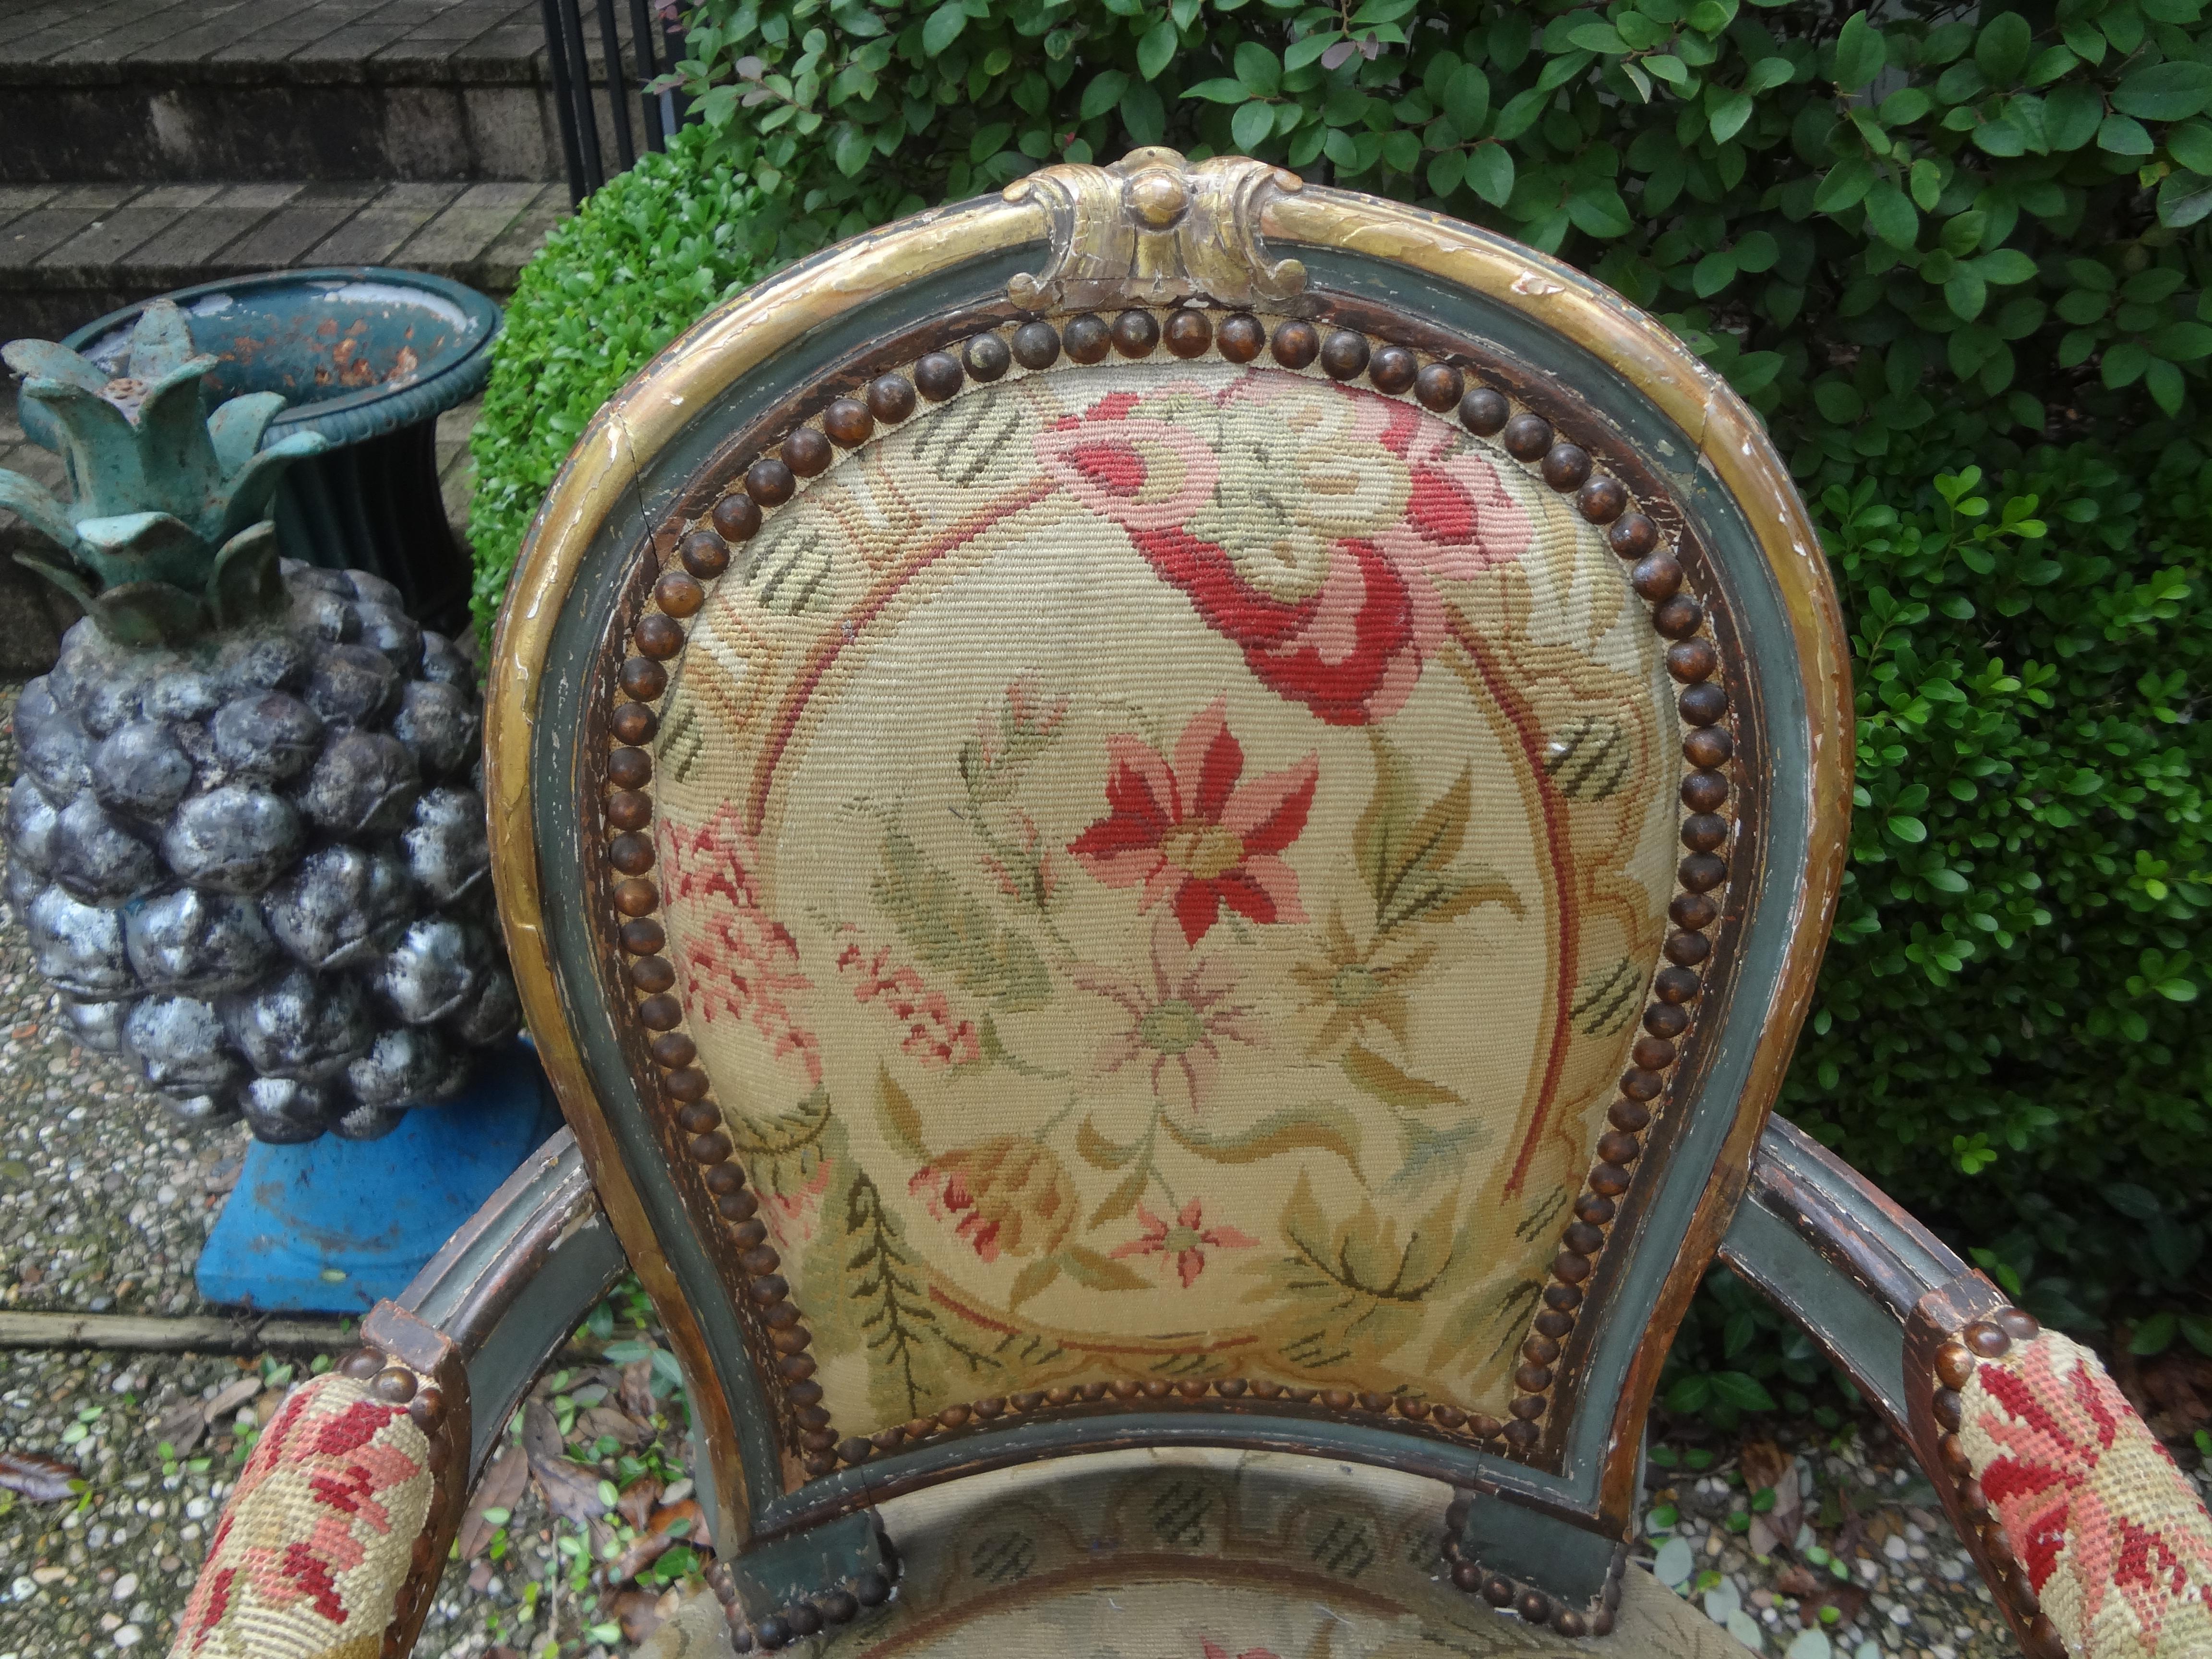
pixel 1308 525
pixel 1190 833
pixel 1007 1195
pixel 1176 1027
pixel 790 1189
pixel 737 958
pixel 934 1035
pixel 1184 1244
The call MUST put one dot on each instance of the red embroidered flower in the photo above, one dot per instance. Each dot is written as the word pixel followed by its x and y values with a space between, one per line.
pixel 1310 526
pixel 1184 1244
pixel 1192 832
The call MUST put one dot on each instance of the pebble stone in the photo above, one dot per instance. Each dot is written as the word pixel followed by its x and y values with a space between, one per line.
pixel 1919 1595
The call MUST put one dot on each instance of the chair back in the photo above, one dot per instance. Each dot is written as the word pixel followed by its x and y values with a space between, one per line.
pixel 1172 807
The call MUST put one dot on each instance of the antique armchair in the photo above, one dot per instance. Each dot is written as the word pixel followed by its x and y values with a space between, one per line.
pixel 1166 834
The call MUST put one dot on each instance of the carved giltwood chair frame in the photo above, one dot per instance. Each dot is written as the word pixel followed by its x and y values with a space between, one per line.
pixel 632 854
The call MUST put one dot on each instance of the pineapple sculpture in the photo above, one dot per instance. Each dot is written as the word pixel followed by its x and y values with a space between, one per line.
pixel 248 840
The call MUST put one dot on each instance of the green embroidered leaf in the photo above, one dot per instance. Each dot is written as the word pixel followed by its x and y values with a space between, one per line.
pixel 1377 1076
pixel 1123 1199
pixel 782 1151
pixel 1095 1149
pixel 896 1316
pixel 950 929
pixel 1406 852
pixel 1031 1279
pixel 899 1117
pixel 1321 1126
pixel 1101 1272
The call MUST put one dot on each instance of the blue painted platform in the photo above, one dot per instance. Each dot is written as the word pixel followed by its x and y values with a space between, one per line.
pixel 334 1226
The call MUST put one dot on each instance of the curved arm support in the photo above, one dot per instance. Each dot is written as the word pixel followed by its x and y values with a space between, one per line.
pixel 332 1545
pixel 2095 1544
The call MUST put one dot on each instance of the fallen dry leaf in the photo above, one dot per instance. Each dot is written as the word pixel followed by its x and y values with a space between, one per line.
pixel 639 1613
pixel 637 1501
pixel 619 1426
pixel 572 1492
pixel 1762 1462
pixel 499 1489
pixel 41 1478
pixel 636 1393
pixel 541 1432
pixel 230 1398
pixel 1846 1599
pixel 1794 1580
pixel 668 1514
pixel 181 1426
pixel 642 1553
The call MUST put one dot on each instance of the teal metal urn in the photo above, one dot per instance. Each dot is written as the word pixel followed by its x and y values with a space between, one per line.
pixel 366 358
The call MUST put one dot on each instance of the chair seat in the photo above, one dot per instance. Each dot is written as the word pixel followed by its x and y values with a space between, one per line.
pixel 1194 1554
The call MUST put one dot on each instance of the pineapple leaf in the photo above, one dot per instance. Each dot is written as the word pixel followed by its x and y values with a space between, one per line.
pixel 43 360
pixel 38 507
pixel 247 491
pixel 247 581
pixel 176 452
pixel 143 547
pixel 106 473
pixel 61 576
pixel 161 344
pixel 148 614
pixel 236 427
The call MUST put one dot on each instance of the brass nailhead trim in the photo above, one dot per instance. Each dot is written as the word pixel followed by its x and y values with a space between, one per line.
pixel 1955 1362
pixel 1531 1605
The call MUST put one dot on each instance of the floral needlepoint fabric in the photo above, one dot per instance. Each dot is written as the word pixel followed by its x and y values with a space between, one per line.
pixel 308 1558
pixel 1196 1554
pixel 1163 865
pixel 2116 1545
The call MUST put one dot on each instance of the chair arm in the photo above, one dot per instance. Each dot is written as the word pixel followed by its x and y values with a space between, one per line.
pixel 2095 1543
pixel 332 1545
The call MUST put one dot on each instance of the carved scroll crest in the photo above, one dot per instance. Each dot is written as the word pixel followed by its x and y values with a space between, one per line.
pixel 1154 229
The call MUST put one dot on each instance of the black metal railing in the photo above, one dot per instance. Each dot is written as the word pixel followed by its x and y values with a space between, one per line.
pixel 628 67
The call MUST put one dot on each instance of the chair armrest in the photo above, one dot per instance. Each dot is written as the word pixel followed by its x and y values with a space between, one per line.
pixel 2094 1542
pixel 332 1545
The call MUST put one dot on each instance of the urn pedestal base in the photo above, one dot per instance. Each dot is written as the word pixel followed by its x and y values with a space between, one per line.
pixel 333 1226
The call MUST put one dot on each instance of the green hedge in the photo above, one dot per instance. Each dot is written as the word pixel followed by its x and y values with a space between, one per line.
pixel 656 248
pixel 1961 269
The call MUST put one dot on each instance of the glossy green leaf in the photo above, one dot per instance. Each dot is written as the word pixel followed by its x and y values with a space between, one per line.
pixel 1489 173
pixel 2071 115
pixel 2001 52
pixel 944 26
pixel 1860 53
pixel 2124 136
pixel 2183 198
pixel 1253 125
pixel 2165 91
pixel 1891 215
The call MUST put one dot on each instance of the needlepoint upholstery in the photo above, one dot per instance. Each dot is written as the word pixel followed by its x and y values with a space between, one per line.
pixel 1163 865
pixel 1191 1554
pixel 313 1545
pixel 2115 1543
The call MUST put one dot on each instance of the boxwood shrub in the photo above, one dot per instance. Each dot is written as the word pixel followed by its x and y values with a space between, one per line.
pixel 1958 264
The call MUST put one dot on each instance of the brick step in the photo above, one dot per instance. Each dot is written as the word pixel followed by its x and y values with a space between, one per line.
pixel 71 252
pixel 144 91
